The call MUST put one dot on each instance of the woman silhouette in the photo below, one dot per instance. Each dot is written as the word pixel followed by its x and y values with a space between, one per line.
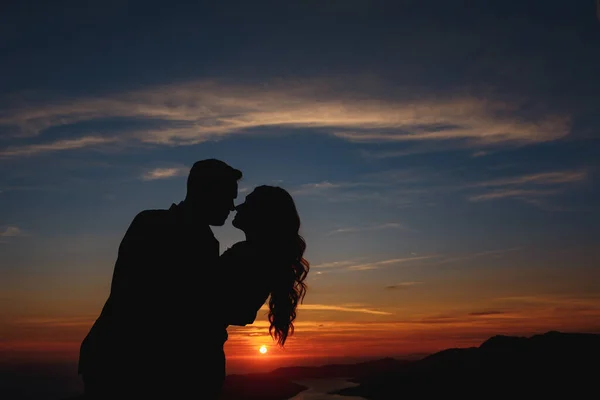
pixel 268 264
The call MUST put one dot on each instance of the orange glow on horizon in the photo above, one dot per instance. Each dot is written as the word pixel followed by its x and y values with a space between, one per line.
pixel 326 335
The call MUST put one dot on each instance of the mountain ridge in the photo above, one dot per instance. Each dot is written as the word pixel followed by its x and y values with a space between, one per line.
pixel 548 364
pixel 544 365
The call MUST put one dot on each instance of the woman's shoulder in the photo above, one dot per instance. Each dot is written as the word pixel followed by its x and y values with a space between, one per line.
pixel 242 245
pixel 249 251
pixel 239 248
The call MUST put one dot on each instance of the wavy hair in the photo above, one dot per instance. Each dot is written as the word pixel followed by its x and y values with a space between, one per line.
pixel 281 224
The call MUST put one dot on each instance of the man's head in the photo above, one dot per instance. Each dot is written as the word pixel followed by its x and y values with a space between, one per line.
pixel 211 189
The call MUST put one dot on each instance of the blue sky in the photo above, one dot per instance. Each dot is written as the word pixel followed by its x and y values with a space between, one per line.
pixel 425 142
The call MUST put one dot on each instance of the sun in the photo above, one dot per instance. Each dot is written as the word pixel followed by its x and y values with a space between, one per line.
pixel 263 349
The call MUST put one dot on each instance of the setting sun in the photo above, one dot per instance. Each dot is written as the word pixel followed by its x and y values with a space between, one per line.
pixel 263 349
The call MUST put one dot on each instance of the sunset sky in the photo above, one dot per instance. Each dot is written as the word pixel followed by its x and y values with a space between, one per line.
pixel 443 155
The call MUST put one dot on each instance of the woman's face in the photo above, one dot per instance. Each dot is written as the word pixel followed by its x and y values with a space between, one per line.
pixel 263 213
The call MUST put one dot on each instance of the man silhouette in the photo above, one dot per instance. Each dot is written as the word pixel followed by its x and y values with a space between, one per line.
pixel 147 341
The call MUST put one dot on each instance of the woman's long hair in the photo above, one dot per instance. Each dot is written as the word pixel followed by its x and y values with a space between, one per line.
pixel 288 291
pixel 288 286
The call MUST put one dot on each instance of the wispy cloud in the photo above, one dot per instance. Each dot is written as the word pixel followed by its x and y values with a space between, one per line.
pixel 524 194
pixel 470 256
pixel 543 178
pixel 354 265
pixel 365 188
pixel 164 173
pixel 58 145
pixel 11 231
pixel 414 148
pixel 385 177
pixel 383 263
pixel 343 308
pixel 193 112
pixel 576 300
pixel 40 322
pixel 402 285
pixel 334 264
pixel 486 313
pixel 407 187
pixel 323 187
pixel 389 225
pixel 527 187
pixel 323 307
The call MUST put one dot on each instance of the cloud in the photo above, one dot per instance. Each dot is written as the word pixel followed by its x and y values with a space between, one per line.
pixel 526 187
pixel 571 300
pixel 402 285
pixel 326 307
pixel 368 188
pixel 318 188
pixel 322 307
pixel 415 148
pixel 511 193
pixel 11 231
pixel 389 225
pixel 58 145
pixel 450 121
pixel 340 192
pixel 352 265
pixel 164 173
pixel 378 264
pixel 334 264
pixel 492 253
pixel 486 313
pixel 43 322
pixel 421 186
pixel 193 112
pixel 543 178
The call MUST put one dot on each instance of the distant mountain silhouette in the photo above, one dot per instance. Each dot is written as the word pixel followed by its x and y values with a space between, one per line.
pixel 548 365
pixel 503 367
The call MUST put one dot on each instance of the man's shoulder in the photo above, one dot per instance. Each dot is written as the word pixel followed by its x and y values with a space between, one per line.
pixel 152 214
pixel 147 219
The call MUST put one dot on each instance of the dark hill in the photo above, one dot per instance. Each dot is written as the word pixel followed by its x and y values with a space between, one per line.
pixel 551 365
pixel 564 364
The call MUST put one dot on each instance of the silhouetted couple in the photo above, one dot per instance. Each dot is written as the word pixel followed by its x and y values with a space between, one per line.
pixel 162 329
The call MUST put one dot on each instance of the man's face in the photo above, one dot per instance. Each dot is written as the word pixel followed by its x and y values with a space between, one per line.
pixel 221 203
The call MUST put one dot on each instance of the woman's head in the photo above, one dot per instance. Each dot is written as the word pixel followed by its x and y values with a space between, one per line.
pixel 269 212
pixel 269 216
